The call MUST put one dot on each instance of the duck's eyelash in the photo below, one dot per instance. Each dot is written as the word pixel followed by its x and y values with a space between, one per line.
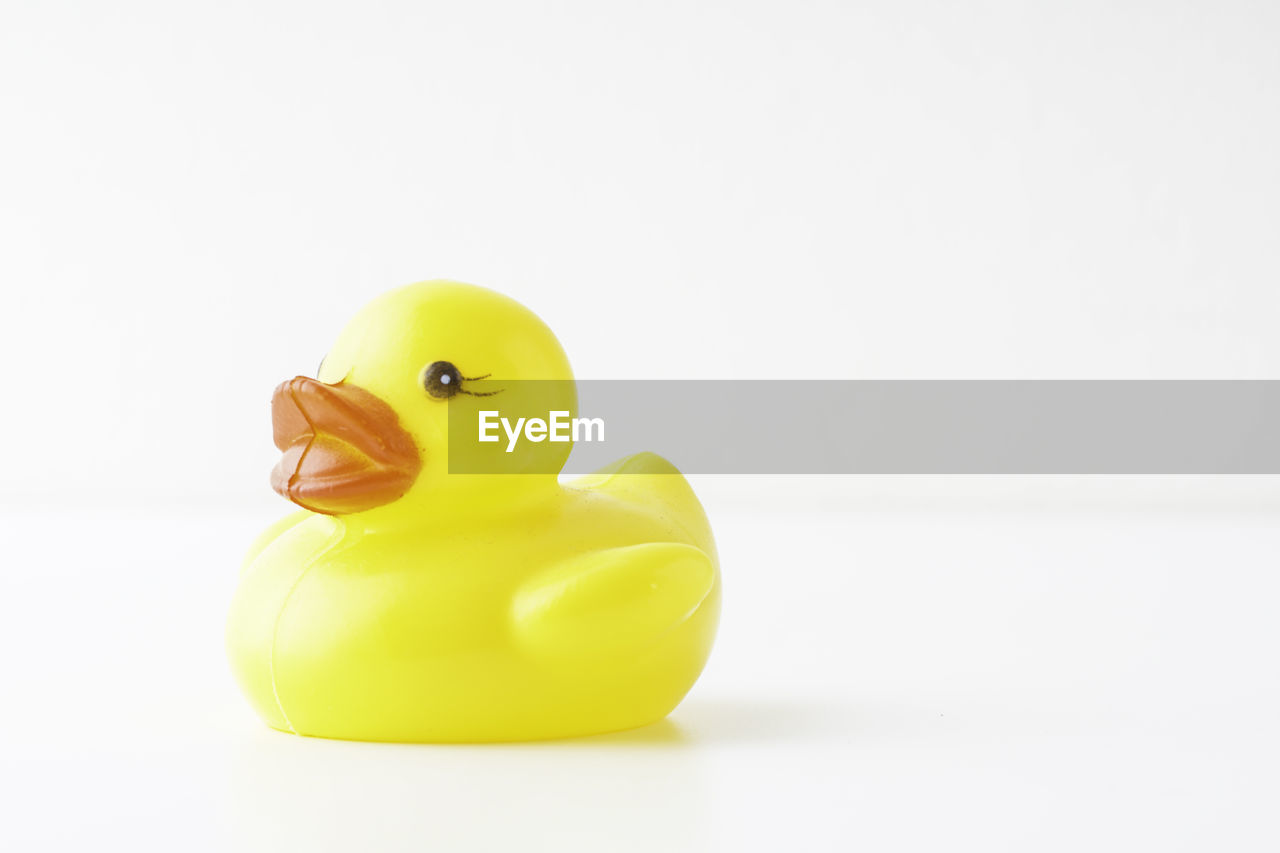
pixel 478 393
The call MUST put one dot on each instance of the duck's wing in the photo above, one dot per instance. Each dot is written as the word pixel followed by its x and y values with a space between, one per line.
pixel 605 603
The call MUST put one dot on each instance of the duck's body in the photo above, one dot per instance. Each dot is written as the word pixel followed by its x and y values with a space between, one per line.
pixel 506 608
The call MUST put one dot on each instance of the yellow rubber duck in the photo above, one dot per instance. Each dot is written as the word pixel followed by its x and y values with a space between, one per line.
pixel 407 603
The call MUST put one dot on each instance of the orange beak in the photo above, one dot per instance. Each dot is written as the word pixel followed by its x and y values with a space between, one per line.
pixel 344 448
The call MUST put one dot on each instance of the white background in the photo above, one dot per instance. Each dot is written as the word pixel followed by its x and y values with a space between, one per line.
pixel 194 198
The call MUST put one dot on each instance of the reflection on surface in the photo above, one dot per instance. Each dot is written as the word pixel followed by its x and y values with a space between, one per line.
pixel 605 790
pixel 636 789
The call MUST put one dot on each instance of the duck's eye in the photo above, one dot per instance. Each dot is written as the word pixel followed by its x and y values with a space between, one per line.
pixel 442 380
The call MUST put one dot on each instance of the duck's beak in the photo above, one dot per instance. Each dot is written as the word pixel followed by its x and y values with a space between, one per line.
pixel 344 448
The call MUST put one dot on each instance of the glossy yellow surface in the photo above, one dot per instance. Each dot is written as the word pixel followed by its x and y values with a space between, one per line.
pixel 475 607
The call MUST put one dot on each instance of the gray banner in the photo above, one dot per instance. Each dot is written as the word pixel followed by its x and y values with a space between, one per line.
pixel 877 427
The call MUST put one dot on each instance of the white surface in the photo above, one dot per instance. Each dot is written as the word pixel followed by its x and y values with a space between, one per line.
pixel 194 197
pixel 909 679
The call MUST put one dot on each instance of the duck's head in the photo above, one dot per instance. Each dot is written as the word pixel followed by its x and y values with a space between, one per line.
pixel 372 428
